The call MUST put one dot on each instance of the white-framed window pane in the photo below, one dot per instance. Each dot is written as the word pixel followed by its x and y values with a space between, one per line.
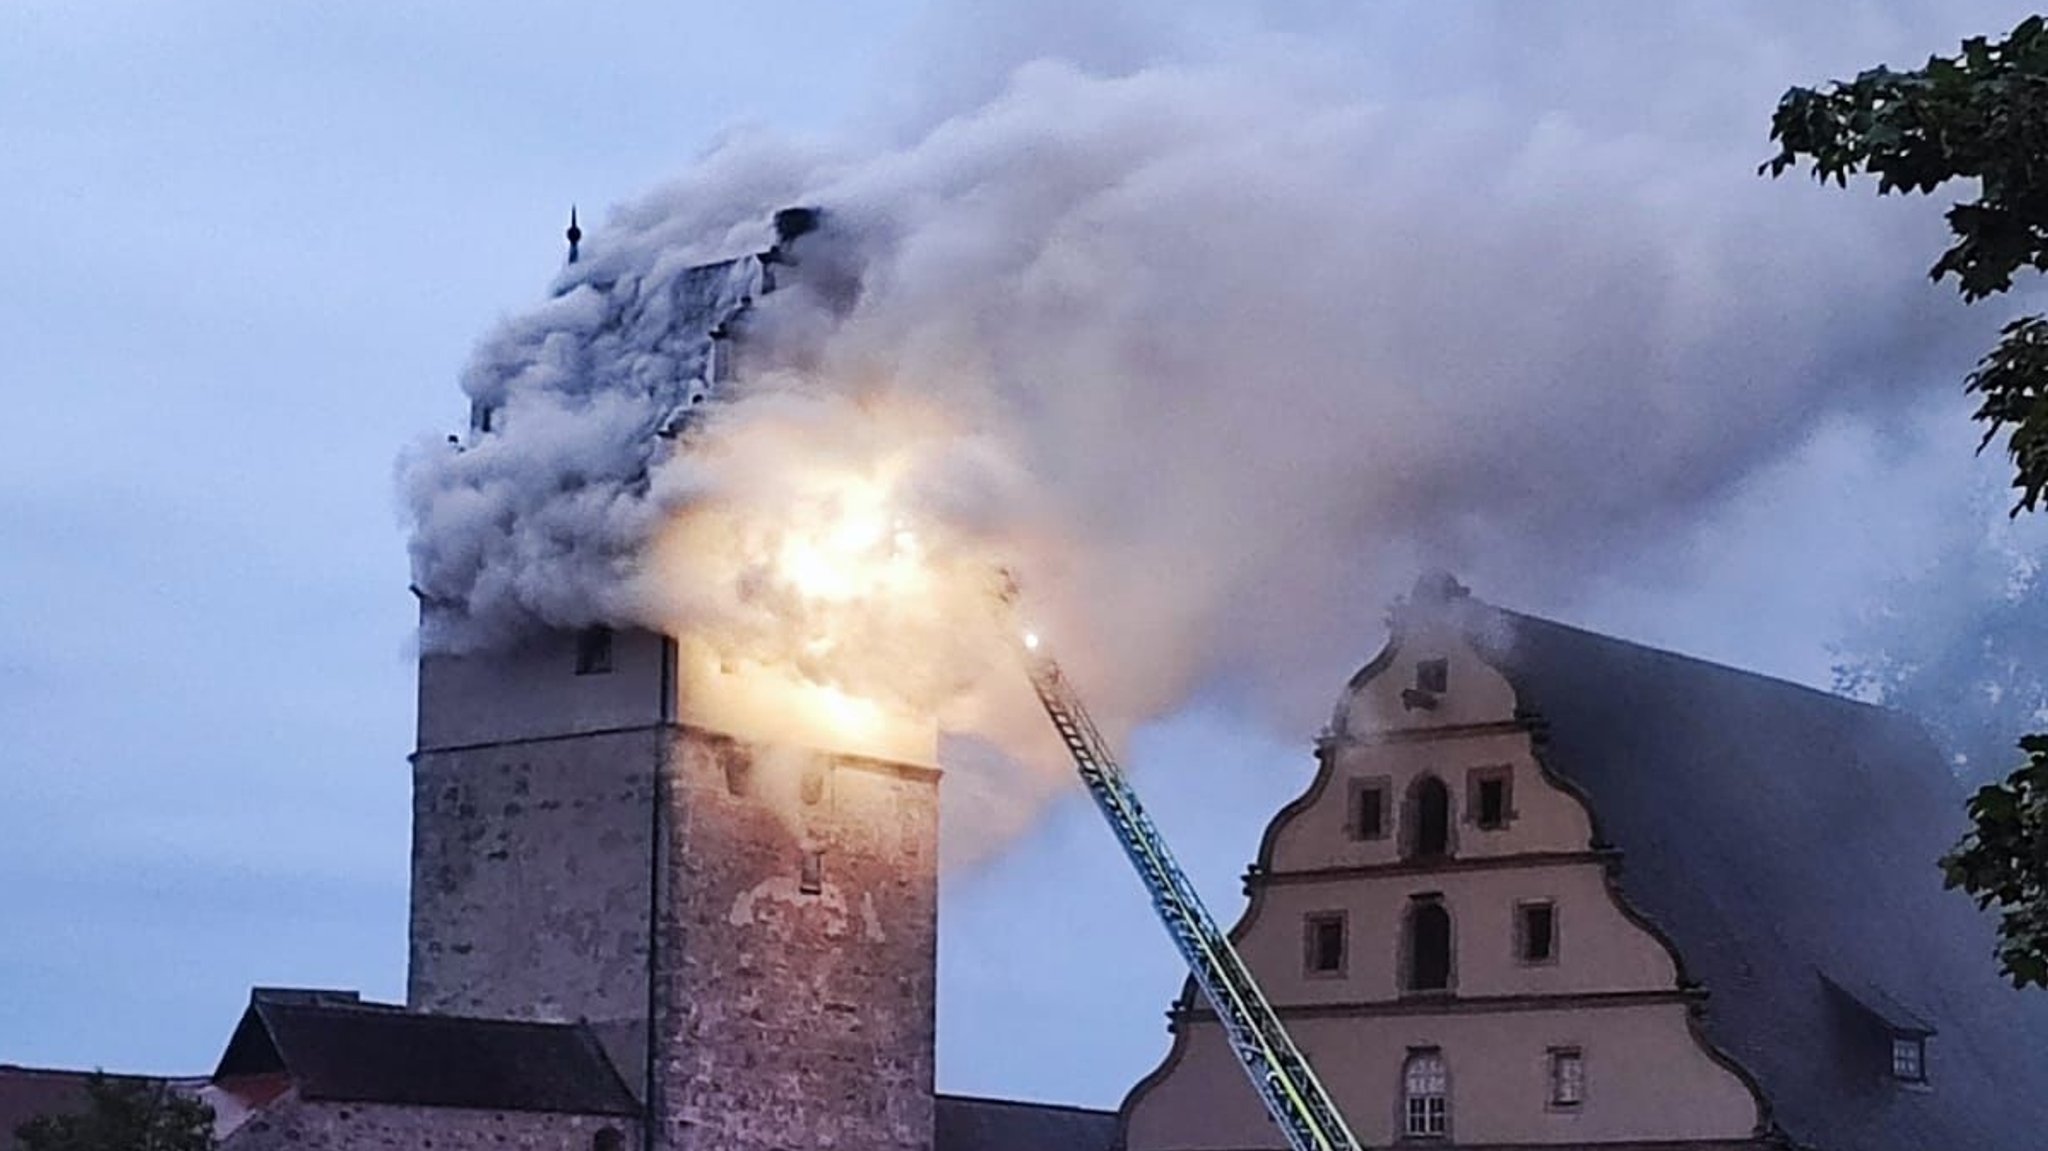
pixel 1567 1078
pixel 1909 1059
pixel 1424 1086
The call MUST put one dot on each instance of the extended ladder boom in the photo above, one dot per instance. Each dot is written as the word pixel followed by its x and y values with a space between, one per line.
pixel 1277 1069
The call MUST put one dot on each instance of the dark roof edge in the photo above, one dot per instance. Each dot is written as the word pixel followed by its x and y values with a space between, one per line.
pixel 89 1072
pixel 1105 1112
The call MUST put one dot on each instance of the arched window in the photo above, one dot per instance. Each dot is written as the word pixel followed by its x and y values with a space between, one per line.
pixel 1428 946
pixel 1425 1095
pixel 1429 819
pixel 608 1139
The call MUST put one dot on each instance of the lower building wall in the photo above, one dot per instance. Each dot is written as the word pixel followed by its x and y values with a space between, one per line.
pixel 1647 1082
pixel 293 1124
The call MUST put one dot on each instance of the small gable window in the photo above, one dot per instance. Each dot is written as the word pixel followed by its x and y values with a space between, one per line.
pixel 594 651
pixel 1536 932
pixel 1425 1095
pixel 1567 1077
pixel 1433 676
pixel 1909 1058
pixel 1323 943
pixel 1368 809
pixel 1489 797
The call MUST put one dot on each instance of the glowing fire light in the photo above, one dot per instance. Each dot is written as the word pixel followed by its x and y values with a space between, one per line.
pixel 820 614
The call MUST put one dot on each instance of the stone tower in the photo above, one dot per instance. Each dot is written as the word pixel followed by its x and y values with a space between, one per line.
pixel 749 921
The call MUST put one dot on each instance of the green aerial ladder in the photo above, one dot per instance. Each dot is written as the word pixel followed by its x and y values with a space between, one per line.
pixel 1278 1071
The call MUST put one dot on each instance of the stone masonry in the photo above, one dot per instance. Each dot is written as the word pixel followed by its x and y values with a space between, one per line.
pixel 294 1124
pixel 580 853
pixel 797 961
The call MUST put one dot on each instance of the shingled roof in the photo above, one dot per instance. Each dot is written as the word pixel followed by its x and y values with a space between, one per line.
pixel 373 1054
pixel 1785 840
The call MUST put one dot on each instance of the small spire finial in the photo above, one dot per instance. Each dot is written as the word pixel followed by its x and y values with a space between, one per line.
pixel 574 233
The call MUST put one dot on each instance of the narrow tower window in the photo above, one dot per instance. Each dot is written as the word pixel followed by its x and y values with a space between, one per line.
pixel 1323 943
pixel 811 873
pixel 1425 1095
pixel 1536 932
pixel 594 651
pixel 1429 817
pixel 1567 1077
pixel 1428 939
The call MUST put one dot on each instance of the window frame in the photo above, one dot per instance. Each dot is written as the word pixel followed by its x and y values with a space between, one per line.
pixel 1360 785
pixel 1311 923
pixel 1406 975
pixel 1416 1123
pixel 1412 821
pixel 1556 1060
pixel 810 873
pixel 1917 1045
pixel 1522 937
pixel 1433 675
pixel 1476 780
pixel 596 649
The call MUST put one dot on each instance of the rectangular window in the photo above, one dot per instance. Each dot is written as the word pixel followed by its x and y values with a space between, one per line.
pixel 594 651
pixel 1536 932
pixel 1323 943
pixel 1433 676
pixel 811 878
pixel 1368 809
pixel 1567 1077
pixel 1490 797
pixel 1425 1091
pixel 1909 1058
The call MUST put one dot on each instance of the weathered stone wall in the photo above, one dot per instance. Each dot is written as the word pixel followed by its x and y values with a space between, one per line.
pixel 532 872
pixel 293 1124
pixel 798 957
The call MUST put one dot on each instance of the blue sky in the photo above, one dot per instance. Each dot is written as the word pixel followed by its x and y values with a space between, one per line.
pixel 252 246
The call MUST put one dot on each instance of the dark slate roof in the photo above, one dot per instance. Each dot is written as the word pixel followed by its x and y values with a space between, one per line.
pixel 369 1053
pixel 968 1124
pixel 1785 840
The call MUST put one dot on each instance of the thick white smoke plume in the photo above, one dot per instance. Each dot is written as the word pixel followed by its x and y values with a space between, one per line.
pixel 1215 338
